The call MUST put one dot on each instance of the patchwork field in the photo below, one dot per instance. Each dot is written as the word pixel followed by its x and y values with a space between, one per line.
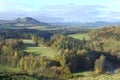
pixel 42 50
pixel 80 36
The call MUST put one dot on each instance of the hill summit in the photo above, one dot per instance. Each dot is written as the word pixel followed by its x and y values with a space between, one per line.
pixel 23 22
pixel 28 21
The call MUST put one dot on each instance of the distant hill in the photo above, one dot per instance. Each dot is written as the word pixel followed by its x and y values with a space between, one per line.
pixel 23 22
pixel 88 24
pixel 3 21
pixel 31 22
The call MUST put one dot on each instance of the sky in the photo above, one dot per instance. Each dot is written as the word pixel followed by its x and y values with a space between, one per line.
pixel 61 10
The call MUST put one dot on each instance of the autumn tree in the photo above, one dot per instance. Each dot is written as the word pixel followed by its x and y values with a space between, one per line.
pixel 99 64
pixel 34 38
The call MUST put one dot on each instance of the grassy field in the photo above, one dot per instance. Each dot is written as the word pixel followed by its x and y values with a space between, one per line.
pixel 45 28
pixel 9 69
pixel 80 36
pixel 88 75
pixel 37 27
pixel 99 77
pixel 42 50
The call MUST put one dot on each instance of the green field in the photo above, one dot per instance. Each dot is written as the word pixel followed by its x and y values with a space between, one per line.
pixel 42 50
pixel 90 75
pixel 4 68
pixel 45 28
pixel 80 36
pixel 98 77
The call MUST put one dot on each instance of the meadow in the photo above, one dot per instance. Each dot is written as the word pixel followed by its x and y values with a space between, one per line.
pixel 45 28
pixel 5 68
pixel 80 36
pixel 40 50
pixel 99 77
pixel 90 75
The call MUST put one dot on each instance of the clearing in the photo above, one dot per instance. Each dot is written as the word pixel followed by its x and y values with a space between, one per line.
pixel 5 68
pixel 80 36
pixel 42 50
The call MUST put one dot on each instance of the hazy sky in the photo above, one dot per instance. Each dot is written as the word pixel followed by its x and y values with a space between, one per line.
pixel 61 10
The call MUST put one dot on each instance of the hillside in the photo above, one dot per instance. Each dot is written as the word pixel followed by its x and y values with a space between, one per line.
pixel 96 24
pixel 22 22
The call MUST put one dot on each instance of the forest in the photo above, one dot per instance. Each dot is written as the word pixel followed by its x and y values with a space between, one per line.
pixel 98 55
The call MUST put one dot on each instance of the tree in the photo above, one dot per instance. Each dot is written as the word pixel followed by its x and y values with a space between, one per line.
pixel 34 38
pixel 34 65
pixel 16 58
pixel 21 63
pixel 36 43
pixel 6 49
pixel 99 64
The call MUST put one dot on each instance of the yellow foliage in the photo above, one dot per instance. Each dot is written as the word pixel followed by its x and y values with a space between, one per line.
pixel 97 71
pixel 66 50
pixel 16 54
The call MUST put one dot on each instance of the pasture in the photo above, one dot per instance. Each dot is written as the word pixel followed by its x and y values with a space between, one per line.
pixel 80 36
pixel 45 28
pixel 39 50
pixel 90 75
pixel 5 68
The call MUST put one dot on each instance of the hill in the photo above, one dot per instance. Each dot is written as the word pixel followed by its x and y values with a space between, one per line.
pixel 28 21
pixel 96 24
pixel 22 22
pixel 31 22
pixel 3 21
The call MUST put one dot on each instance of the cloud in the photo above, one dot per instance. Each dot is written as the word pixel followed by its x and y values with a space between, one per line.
pixel 12 9
pixel 72 12
pixel 7 5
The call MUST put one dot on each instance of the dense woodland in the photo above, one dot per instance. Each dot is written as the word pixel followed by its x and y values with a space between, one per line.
pixel 74 55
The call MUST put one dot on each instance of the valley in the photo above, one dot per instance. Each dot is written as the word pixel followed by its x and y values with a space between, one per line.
pixel 59 40
pixel 40 52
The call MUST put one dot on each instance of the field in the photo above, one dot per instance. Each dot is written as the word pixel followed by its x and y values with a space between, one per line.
pixel 80 36
pixel 45 28
pixel 99 77
pixel 9 69
pixel 42 50
pixel 88 75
